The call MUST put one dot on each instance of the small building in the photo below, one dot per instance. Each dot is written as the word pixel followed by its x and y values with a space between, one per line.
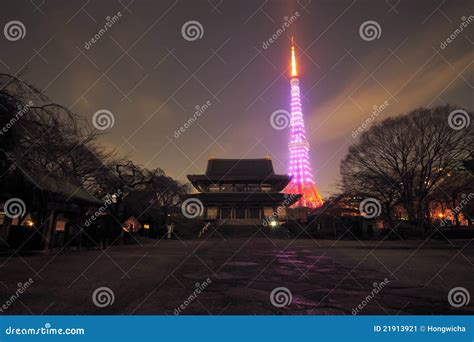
pixel 242 191
pixel 52 210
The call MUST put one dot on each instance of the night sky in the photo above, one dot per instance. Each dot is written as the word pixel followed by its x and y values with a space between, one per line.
pixel 151 78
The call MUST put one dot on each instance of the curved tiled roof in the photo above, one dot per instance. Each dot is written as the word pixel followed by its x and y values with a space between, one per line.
pixel 239 167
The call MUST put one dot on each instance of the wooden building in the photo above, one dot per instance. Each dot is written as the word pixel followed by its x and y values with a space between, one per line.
pixel 54 210
pixel 242 192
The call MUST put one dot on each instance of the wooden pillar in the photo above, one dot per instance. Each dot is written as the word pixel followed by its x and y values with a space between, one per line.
pixel 67 232
pixel 5 230
pixel 49 241
pixel 79 245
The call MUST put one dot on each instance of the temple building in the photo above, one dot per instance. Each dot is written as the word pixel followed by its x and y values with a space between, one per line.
pixel 242 191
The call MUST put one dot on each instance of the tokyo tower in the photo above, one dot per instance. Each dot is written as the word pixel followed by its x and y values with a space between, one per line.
pixel 299 165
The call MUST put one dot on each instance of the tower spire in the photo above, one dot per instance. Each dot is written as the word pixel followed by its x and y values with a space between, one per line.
pixel 299 166
pixel 294 72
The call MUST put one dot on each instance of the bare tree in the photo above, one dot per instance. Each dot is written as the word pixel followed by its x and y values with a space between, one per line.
pixel 403 159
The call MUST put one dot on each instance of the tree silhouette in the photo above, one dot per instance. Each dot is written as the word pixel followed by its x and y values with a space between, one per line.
pixel 402 160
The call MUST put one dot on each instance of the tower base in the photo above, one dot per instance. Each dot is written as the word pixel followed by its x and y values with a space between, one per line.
pixel 311 197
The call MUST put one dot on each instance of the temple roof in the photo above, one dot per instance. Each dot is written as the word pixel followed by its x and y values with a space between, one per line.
pixel 66 188
pixel 248 171
pixel 239 167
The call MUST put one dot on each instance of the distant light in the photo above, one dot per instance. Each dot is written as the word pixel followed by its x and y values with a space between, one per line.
pixel 146 226
pixel 29 223
pixel 273 223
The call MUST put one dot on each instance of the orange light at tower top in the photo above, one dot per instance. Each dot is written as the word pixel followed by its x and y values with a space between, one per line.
pixel 294 73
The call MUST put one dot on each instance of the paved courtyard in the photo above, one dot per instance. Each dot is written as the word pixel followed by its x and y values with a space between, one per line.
pixel 237 276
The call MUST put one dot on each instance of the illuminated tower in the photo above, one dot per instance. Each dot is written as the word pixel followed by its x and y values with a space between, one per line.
pixel 299 166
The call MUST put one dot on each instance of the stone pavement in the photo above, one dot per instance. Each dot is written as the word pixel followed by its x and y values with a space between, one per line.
pixel 237 276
